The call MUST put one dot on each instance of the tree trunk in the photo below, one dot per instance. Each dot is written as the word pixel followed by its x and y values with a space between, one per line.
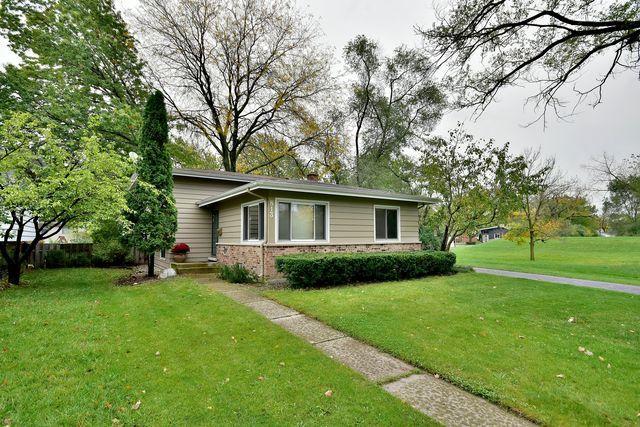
pixel 532 242
pixel 151 265
pixel 357 161
pixel 14 274
pixel 445 240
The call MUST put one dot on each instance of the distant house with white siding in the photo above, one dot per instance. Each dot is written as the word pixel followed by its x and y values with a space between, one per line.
pixel 28 234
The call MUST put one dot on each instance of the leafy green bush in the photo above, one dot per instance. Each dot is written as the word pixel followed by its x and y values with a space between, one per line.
pixel 109 248
pixel 237 273
pixel 3 269
pixel 78 260
pixel 56 259
pixel 109 253
pixel 315 270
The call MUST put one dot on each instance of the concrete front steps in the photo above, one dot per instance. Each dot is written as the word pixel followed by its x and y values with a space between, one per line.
pixel 196 267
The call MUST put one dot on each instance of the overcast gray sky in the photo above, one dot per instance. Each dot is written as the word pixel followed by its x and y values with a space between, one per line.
pixel 614 126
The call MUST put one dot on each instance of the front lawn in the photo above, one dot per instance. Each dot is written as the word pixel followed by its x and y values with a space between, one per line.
pixel 507 339
pixel 610 259
pixel 75 350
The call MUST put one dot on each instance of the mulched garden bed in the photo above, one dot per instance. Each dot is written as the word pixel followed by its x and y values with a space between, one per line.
pixel 135 279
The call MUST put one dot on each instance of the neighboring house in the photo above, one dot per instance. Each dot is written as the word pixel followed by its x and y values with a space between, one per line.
pixel 465 239
pixel 490 233
pixel 250 219
pixel 28 234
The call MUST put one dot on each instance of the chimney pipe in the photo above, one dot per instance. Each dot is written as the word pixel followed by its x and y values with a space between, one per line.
pixel 312 176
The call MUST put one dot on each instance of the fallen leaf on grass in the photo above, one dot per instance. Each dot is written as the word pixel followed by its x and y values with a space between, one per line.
pixel 572 320
pixel 107 405
pixel 601 358
pixel 436 376
pixel 589 353
pixel 260 378
pixel 520 337
pixel 158 353
pixel 328 393
pixel 582 349
pixel 234 339
pixel 560 376
pixel 136 405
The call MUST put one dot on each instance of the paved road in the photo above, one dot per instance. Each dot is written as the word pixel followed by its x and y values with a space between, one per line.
pixel 629 289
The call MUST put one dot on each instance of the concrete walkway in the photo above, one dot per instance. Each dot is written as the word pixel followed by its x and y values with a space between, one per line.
pixel 438 399
pixel 629 289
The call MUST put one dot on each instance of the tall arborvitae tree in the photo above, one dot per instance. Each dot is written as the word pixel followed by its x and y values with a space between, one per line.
pixel 152 207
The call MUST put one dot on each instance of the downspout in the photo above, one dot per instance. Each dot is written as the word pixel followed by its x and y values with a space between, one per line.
pixel 266 230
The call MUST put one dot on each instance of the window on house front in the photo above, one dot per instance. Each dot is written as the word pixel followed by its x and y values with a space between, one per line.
pixel 253 221
pixel 387 223
pixel 163 253
pixel 302 221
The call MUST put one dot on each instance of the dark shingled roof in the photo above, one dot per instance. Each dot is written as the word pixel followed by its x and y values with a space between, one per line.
pixel 253 182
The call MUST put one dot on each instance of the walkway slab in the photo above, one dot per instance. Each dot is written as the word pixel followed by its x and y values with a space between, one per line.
pixel 244 296
pixel 309 329
pixel 369 361
pixel 270 309
pixel 450 405
pixel 629 289
pixel 217 284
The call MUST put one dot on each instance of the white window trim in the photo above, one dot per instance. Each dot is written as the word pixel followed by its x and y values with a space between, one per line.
pixel 327 221
pixel 376 240
pixel 264 222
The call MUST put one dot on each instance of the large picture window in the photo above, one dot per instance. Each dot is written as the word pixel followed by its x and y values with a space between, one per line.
pixel 387 225
pixel 253 221
pixel 299 221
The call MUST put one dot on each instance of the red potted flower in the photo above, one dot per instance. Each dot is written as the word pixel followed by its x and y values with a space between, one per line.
pixel 180 251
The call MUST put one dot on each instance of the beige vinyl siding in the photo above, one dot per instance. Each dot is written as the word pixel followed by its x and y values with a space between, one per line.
pixel 230 218
pixel 194 223
pixel 351 219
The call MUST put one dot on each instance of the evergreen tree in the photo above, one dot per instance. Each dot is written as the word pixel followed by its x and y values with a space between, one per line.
pixel 152 207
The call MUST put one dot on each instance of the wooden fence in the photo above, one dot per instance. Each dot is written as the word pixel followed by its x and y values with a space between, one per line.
pixel 39 254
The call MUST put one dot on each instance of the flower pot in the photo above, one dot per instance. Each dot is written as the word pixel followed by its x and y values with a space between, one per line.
pixel 179 257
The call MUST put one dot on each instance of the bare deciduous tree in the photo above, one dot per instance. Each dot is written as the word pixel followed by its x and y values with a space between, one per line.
pixel 232 70
pixel 492 44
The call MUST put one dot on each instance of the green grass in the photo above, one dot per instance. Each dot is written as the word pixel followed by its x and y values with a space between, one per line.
pixel 75 350
pixel 610 259
pixel 502 338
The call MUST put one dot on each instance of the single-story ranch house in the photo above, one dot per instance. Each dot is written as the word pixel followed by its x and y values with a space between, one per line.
pixel 251 219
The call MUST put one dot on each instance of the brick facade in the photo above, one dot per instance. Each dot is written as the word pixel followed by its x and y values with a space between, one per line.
pixel 252 256
pixel 248 255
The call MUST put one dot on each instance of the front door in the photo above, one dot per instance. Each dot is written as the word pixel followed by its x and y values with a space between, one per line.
pixel 214 232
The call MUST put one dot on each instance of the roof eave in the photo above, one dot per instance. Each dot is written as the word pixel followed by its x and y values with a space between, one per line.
pixel 300 189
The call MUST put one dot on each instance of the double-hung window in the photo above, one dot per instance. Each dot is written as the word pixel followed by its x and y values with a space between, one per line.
pixel 387 223
pixel 302 221
pixel 253 222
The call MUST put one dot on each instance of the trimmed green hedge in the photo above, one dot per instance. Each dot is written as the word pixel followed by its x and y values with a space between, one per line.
pixel 316 270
